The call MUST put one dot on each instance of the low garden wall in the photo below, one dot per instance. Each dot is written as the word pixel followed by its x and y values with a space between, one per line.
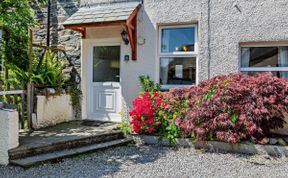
pixel 215 146
pixel 9 136
pixel 53 110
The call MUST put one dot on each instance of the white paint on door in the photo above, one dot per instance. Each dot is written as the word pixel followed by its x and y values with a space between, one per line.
pixel 105 89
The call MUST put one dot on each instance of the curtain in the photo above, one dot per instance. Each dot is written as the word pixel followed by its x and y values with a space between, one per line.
pixel 283 60
pixel 245 57
pixel 164 70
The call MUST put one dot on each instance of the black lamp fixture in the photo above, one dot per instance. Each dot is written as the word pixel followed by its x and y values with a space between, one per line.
pixel 125 38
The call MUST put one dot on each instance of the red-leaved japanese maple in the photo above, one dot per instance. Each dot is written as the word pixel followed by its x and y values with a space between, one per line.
pixel 236 107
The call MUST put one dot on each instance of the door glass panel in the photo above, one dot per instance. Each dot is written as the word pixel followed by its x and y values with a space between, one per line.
pixel 106 64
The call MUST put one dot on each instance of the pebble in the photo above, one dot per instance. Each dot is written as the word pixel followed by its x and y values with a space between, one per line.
pixel 272 141
pixel 131 161
pixel 281 142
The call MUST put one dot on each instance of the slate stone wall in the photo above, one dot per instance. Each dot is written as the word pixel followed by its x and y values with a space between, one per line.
pixel 70 40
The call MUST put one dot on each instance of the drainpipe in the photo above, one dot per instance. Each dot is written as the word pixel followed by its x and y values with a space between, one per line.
pixel 209 39
pixel 48 23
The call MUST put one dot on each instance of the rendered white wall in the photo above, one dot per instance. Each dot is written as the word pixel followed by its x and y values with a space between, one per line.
pixel 9 130
pixel 53 110
pixel 231 22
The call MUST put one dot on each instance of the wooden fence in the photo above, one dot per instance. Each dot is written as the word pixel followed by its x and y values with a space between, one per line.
pixel 15 93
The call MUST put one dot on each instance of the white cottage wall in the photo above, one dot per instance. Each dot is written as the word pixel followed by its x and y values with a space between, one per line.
pixel 234 22
pixel 222 26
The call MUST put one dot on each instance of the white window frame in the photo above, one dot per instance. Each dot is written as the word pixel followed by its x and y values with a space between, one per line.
pixel 180 54
pixel 262 69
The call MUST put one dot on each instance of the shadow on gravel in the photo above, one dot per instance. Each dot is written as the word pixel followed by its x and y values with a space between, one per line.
pixel 115 159
pixel 99 164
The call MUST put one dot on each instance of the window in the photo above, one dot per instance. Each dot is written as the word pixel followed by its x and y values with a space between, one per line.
pixel 177 56
pixel 265 59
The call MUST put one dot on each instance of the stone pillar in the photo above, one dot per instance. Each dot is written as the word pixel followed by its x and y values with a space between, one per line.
pixel 9 133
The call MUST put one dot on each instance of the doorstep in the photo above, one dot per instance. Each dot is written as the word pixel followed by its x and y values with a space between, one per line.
pixel 215 146
pixel 65 140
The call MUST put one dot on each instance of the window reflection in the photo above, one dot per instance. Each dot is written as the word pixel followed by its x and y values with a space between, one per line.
pixel 178 39
pixel 177 71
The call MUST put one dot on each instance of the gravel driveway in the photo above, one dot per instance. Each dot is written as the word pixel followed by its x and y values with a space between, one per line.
pixel 130 161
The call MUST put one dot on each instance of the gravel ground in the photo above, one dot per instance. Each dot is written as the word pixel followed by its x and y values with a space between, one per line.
pixel 130 161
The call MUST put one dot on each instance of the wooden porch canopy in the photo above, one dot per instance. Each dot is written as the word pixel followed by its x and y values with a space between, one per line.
pixel 115 14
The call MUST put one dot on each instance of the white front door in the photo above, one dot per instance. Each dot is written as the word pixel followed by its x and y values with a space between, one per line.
pixel 105 99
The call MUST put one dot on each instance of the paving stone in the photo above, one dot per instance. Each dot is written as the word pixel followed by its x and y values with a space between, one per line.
pixel 66 135
pixel 33 160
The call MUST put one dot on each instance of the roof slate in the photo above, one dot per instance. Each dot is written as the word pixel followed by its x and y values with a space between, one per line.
pixel 102 13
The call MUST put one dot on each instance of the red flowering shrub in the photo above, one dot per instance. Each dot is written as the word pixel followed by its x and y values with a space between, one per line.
pixel 236 107
pixel 143 113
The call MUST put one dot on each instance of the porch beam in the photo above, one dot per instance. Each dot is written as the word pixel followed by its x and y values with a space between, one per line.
pixel 131 25
pixel 95 24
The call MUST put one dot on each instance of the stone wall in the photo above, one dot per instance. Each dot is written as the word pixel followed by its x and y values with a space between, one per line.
pixel 68 39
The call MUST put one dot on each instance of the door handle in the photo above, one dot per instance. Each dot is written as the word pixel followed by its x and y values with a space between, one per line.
pixel 117 76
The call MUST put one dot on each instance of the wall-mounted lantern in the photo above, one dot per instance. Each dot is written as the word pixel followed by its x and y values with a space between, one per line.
pixel 125 38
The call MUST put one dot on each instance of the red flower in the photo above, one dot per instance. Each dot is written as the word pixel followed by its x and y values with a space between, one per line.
pixel 150 130
pixel 143 113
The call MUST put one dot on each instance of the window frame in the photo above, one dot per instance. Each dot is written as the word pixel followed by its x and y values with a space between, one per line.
pixel 262 69
pixel 180 54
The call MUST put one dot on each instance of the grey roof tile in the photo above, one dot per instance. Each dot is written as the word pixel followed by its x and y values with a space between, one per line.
pixel 102 13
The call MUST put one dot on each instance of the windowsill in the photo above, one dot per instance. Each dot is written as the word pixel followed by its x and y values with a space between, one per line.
pixel 168 87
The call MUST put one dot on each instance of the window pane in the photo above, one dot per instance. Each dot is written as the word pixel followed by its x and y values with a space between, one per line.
pixel 263 57
pixel 106 63
pixel 177 71
pixel 277 74
pixel 178 39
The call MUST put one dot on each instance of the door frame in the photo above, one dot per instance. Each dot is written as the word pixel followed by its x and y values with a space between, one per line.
pixel 92 44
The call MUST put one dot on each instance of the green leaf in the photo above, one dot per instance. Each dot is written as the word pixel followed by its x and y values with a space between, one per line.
pixel 234 118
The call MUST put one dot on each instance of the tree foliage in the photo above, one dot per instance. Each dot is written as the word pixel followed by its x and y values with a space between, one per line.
pixel 236 107
pixel 16 17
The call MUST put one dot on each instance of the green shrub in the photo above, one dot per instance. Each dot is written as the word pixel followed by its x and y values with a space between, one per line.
pixel 125 128
pixel 148 85
pixel 48 75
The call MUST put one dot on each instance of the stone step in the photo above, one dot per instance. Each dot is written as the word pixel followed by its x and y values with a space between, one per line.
pixel 63 145
pixel 34 160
